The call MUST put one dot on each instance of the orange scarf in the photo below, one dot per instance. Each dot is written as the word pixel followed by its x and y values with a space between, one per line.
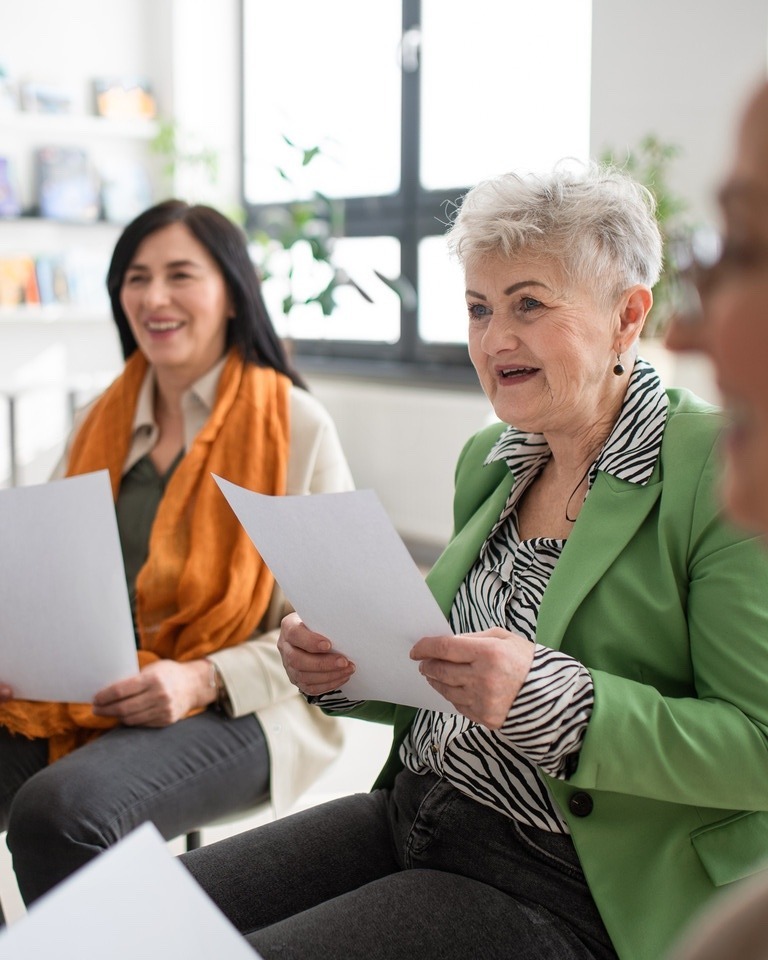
pixel 203 586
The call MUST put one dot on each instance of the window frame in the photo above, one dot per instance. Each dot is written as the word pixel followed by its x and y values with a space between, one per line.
pixel 410 215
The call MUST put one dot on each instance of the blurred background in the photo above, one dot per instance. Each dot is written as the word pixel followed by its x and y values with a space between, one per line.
pixel 339 134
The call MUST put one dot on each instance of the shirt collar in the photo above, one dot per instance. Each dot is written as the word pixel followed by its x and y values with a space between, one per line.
pixel 202 392
pixel 632 447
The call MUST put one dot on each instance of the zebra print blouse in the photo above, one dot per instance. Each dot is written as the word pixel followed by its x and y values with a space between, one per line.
pixel 547 722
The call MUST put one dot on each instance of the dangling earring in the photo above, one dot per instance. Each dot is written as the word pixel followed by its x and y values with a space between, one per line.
pixel 619 368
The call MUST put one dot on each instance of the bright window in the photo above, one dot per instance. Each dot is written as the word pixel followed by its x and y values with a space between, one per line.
pixel 407 106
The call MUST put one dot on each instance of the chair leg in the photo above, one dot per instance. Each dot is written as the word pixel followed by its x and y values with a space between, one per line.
pixel 194 840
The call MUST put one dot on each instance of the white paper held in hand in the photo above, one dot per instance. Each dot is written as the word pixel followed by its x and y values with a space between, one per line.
pixel 349 576
pixel 65 618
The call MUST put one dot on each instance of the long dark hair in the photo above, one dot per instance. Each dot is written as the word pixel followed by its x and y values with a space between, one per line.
pixel 250 330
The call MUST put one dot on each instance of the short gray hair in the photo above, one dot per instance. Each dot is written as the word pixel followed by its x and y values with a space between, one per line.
pixel 595 220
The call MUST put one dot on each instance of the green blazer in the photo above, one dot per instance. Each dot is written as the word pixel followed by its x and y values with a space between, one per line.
pixel 667 606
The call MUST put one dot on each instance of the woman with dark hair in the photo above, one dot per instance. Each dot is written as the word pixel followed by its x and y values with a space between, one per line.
pixel 210 726
pixel 249 329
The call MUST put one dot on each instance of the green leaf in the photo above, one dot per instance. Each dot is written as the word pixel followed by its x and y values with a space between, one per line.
pixel 309 155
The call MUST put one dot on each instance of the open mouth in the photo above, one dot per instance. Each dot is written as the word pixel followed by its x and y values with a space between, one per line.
pixel 163 326
pixel 510 373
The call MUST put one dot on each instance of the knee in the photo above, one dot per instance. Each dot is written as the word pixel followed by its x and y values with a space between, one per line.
pixel 49 835
pixel 46 811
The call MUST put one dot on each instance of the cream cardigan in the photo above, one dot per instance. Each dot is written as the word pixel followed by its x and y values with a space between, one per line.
pixel 302 740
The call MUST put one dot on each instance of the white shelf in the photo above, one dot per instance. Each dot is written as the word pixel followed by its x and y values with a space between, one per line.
pixel 52 224
pixel 53 313
pixel 51 125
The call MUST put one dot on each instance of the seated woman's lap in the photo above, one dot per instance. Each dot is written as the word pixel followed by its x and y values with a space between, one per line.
pixel 383 864
pixel 20 759
pixel 179 777
pixel 285 867
pixel 421 913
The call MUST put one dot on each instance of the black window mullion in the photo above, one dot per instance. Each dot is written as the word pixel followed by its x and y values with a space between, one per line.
pixel 409 215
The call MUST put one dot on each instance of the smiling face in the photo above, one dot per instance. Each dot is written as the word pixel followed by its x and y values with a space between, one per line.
pixel 543 348
pixel 177 303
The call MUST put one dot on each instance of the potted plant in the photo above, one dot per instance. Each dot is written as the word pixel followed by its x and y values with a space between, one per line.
pixel 649 163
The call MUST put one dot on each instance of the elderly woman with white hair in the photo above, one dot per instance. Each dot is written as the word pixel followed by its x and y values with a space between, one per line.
pixel 605 771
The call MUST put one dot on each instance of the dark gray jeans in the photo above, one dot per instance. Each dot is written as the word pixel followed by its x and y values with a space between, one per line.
pixel 417 872
pixel 178 777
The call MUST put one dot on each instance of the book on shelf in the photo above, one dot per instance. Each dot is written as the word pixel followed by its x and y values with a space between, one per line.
pixel 52 280
pixel 18 281
pixel 124 98
pixel 125 189
pixel 86 278
pixel 67 185
pixel 75 278
pixel 10 202
pixel 48 97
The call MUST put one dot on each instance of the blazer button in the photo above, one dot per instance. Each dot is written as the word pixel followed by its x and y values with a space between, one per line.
pixel 580 804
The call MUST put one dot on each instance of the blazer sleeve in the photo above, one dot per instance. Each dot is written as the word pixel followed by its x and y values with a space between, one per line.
pixel 252 672
pixel 706 745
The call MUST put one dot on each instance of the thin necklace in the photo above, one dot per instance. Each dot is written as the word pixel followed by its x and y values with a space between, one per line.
pixel 586 474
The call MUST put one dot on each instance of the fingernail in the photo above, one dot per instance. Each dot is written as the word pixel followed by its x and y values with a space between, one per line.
pixel 342 662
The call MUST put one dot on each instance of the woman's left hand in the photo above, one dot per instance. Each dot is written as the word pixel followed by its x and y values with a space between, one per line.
pixel 479 673
pixel 162 693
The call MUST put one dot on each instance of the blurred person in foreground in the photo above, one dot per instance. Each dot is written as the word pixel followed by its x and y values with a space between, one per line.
pixel 729 323
pixel 611 640
pixel 210 726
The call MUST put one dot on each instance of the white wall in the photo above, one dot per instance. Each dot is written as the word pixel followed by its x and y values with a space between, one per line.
pixel 679 69
pixel 403 442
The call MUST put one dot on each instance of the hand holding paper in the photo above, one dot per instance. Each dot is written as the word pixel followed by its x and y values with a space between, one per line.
pixel 309 659
pixel 349 576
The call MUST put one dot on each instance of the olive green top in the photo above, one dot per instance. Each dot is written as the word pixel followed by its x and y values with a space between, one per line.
pixel 141 490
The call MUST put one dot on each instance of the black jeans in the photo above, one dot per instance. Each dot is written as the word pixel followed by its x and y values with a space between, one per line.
pixel 419 871
pixel 178 777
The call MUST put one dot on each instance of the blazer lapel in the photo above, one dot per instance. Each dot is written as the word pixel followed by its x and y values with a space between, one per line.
pixel 610 517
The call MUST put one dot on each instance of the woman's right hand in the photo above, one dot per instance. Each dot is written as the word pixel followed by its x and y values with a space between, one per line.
pixel 309 660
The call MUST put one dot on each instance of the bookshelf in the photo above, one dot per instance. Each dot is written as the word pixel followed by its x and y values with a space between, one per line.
pixel 59 351
pixel 119 178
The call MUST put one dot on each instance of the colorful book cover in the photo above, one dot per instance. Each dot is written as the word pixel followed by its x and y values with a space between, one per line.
pixel 67 186
pixel 10 204
pixel 124 97
pixel 18 281
pixel 52 282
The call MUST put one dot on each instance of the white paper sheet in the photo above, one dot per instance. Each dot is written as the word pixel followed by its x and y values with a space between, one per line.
pixel 65 617
pixel 349 576
pixel 135 901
